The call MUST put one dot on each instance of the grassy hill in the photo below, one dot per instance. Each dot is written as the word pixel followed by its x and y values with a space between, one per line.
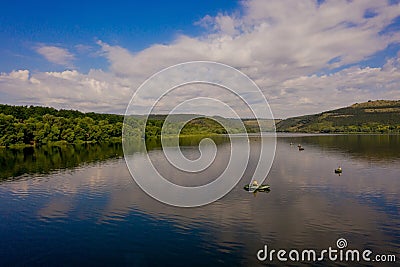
pixel 380 116
pixel 265 125
pixel 251 125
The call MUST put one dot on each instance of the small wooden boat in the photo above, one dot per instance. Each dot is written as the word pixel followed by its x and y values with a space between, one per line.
pixel 338 170
pixel 260 188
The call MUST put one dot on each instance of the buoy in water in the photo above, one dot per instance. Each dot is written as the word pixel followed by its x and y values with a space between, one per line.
pixel 338 170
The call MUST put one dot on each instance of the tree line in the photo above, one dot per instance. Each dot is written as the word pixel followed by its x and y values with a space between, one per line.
pixel 36 126
pixel 26 112
pixel 49 129
pixel 33 125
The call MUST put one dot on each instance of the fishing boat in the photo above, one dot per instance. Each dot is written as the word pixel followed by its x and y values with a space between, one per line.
pixel 261 188
pixel 338 170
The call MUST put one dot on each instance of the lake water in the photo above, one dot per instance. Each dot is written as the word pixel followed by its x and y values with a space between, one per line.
pixel 78 205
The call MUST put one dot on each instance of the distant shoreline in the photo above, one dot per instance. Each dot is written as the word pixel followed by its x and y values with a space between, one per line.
pixel 23 126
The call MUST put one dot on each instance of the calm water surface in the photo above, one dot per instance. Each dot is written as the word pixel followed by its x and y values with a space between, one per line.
pixel 73 206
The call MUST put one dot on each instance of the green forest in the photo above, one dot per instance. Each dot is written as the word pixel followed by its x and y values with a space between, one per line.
pixel 22 125
pixel 36 126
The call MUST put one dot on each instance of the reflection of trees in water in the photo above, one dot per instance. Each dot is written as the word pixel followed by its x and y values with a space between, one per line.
pixel 378 147
pixel 44 159
pixel 16 162
pixel 154 143
pixel 302 210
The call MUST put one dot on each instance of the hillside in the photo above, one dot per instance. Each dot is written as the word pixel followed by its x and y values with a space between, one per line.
pixel 380 116
pixel 252 125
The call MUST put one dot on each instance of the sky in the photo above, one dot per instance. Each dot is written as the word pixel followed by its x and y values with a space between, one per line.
pixel 306 56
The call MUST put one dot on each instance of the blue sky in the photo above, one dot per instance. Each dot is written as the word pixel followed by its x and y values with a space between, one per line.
pixel 306 56
pixel 134 25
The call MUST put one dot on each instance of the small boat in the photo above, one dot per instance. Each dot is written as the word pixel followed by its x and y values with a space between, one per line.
pixel 261 188
pixel 338 170
pixel 301 148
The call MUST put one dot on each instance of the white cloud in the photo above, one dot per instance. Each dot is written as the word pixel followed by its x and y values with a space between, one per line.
pixel 277 38
pixel 19 74
pixel 280 44
pixel 336 90
pixel 57 55
pixel 94 91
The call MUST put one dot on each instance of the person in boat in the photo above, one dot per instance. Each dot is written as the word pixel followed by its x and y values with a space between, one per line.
pixel 255 183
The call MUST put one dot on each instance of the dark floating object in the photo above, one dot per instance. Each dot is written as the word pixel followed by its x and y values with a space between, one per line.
pixel 301 148
pixel 338 170
pixel 257 188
